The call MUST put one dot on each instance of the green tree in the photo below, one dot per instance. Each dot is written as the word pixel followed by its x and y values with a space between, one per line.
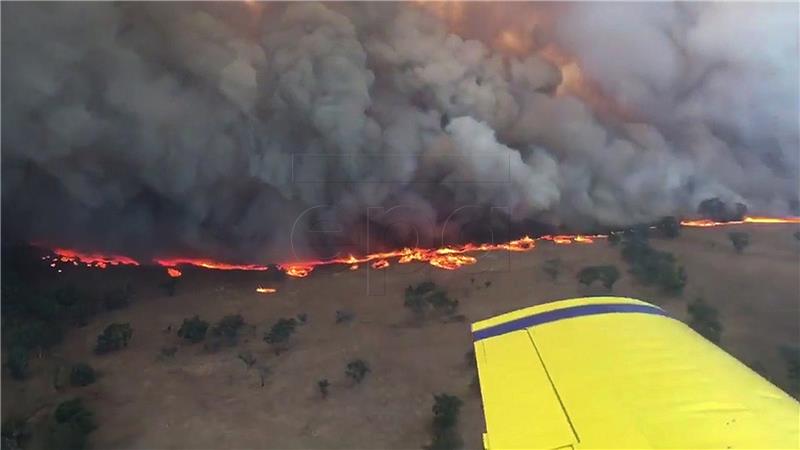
pixel 740 240
pixel 280 332
pixel 651 266
pixel 357 370
pixel 114 337
pixel 82 374
pixel 193 329
pixel 228 326
pixel 704 319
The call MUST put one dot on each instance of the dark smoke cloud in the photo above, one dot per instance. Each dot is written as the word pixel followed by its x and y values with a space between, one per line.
pixel 270 131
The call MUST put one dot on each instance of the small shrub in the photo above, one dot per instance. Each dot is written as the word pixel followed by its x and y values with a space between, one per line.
pixel 82 374
pixel 114 337
pixel 280 331
pixel 228 328
pixel 607 275
pixel 193 330
pixel 344 316
pixel 797 235
pixel 302 318
pixel 18 363
pixel 323 385
pixel 739 240
pixel 487 283
pixel 551 267
pixel 73 412
pixel 442 302
pixel 704 319
pixel 419 298
pixel 263 374
pixel 415 302
pixel 73 423
pixel 357 370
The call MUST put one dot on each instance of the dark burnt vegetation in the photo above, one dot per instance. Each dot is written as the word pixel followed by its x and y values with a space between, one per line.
pixel 193 329
pixel 740 240
pixel 446 410
pixel 114 337
pixel 704 319
pixel 607 275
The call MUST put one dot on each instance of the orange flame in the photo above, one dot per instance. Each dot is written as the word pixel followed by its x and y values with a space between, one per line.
pixel 91 259
pixel 266 290
pixel 173 272
pixel 380 264
pixel 208 264
pixel 705 223
pixel 298 271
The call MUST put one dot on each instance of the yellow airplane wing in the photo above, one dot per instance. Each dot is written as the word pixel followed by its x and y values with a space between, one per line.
pixel 612 372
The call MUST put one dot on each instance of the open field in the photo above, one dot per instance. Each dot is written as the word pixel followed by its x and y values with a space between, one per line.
pixel 210 399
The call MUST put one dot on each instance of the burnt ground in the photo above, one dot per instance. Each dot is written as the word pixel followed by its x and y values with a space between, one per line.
pixel 210 399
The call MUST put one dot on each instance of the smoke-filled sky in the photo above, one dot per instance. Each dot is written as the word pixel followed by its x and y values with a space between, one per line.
pixel 268 132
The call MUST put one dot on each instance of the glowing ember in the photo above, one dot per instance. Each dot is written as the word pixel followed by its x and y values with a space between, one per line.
pixel 173 272
pixel 452 262
pixel 91 259
pixel 298 271
pixel 208 264
pixel 354 267
pixel 380 264
pixel 266 290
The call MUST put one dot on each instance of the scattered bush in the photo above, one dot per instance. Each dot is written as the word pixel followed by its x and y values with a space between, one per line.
pixel 608 275
pixel 280 331
pixel 791 355
pixel 15 432
pixel 704 319
pixel 73 423
pixel 193 330
pixel 344 316
pixel 739 240
pixel 228 327
pixel 446 409
pixel 669 227
pixel 419 298
pixel 82 374
pixel 302 318
pixel 651 266
pixel 323 385
pixel 551 267
pixel 114 337
pixel 32 334
pixel 357 370
pixel 18 363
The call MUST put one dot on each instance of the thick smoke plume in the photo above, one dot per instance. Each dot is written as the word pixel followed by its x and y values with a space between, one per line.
pixel 269 132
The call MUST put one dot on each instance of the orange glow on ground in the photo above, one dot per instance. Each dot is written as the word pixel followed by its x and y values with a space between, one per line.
pixel 266 290
pixel 173 272
pixel 90 259
pixel 208 264
pixel 705 223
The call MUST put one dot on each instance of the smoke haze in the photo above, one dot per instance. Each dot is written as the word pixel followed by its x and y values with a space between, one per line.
pixel 269 132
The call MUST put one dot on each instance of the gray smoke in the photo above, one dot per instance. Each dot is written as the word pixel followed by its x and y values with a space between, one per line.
pixel 269 131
